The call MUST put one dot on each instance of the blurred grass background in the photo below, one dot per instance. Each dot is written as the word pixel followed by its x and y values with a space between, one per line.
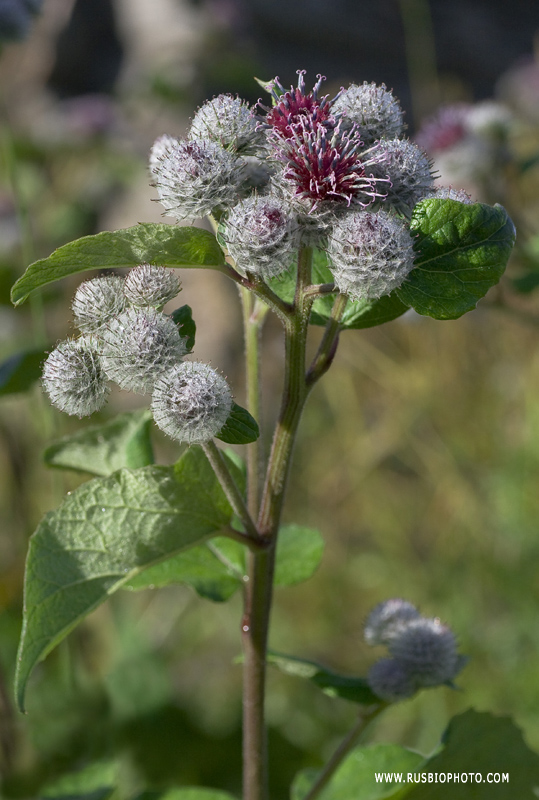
pixel 419 454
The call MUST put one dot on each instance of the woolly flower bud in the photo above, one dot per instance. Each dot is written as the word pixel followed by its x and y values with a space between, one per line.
pixel 147 285
pixel 371 254
pixel 96 301
pixel 428 650
pixel 138 347
pixel 261 235
pixel 194 177
pixel 409 171
pixel 374 109
pixel 228 121
pixel 387 618
pixel 390 680
pixel 191 403
pixel 74 379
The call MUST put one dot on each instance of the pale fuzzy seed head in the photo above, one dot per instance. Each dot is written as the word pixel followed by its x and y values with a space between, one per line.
pixel 74 379
pixel 96 301
pixel 374 109
pixel 229 122
pixel 409 171
pixel 387 618
pixel 390 680
pixel 261 235
pixel 428 650
pixel 138 347
pixel 191 402
pixel 150 286
pixel 370 254
pixel 194 177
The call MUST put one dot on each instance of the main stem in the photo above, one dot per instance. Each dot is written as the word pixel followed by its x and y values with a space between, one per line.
pixel 261 565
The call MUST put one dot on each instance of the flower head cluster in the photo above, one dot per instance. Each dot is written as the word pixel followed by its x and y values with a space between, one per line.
pixel 423 651
pixel 307 170
pixel 128 340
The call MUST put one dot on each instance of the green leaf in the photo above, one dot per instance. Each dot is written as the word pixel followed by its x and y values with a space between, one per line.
pixel 299 552
pixel 479 743
pixel 186 793
pixel 102 536
pixel 356 776
pixel 21 370
pixel 153 243
pixel 183 318
pixel 348 688
pixel 462 251
pixel 214 569
pixel 95 782
pixel 102 449
pixel 240 427
pixel 357 315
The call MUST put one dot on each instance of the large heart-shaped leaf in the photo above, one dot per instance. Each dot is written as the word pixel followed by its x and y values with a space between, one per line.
pixel 216 569
pixel 369 773
pixel 104 534
pixel 462 251
pixel 150 242
pixel 489 748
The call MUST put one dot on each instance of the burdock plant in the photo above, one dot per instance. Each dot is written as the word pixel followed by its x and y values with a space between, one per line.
pixel 323 214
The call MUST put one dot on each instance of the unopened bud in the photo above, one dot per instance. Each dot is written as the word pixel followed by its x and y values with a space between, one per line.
pixel 373 109
pixel 261 235
pixel 191 402
pixel 139 346
pixel 387 618
pixel 97 301
pixel 428 649
pixel 229 122
pixel 74 378
pixel 370 254
pixel 150 286
pixel 194 177
pixel 390 680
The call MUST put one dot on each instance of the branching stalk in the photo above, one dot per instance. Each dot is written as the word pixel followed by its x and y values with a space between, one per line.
pixel 347 744
pixel 233 494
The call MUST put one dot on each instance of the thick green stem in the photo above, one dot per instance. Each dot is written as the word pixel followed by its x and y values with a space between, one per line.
pixel 347 744
pixel 295 393
pixel 259 588
pixel 254 313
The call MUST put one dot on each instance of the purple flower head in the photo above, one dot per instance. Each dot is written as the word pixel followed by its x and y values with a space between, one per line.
pixel 322 164
pixel 291 107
